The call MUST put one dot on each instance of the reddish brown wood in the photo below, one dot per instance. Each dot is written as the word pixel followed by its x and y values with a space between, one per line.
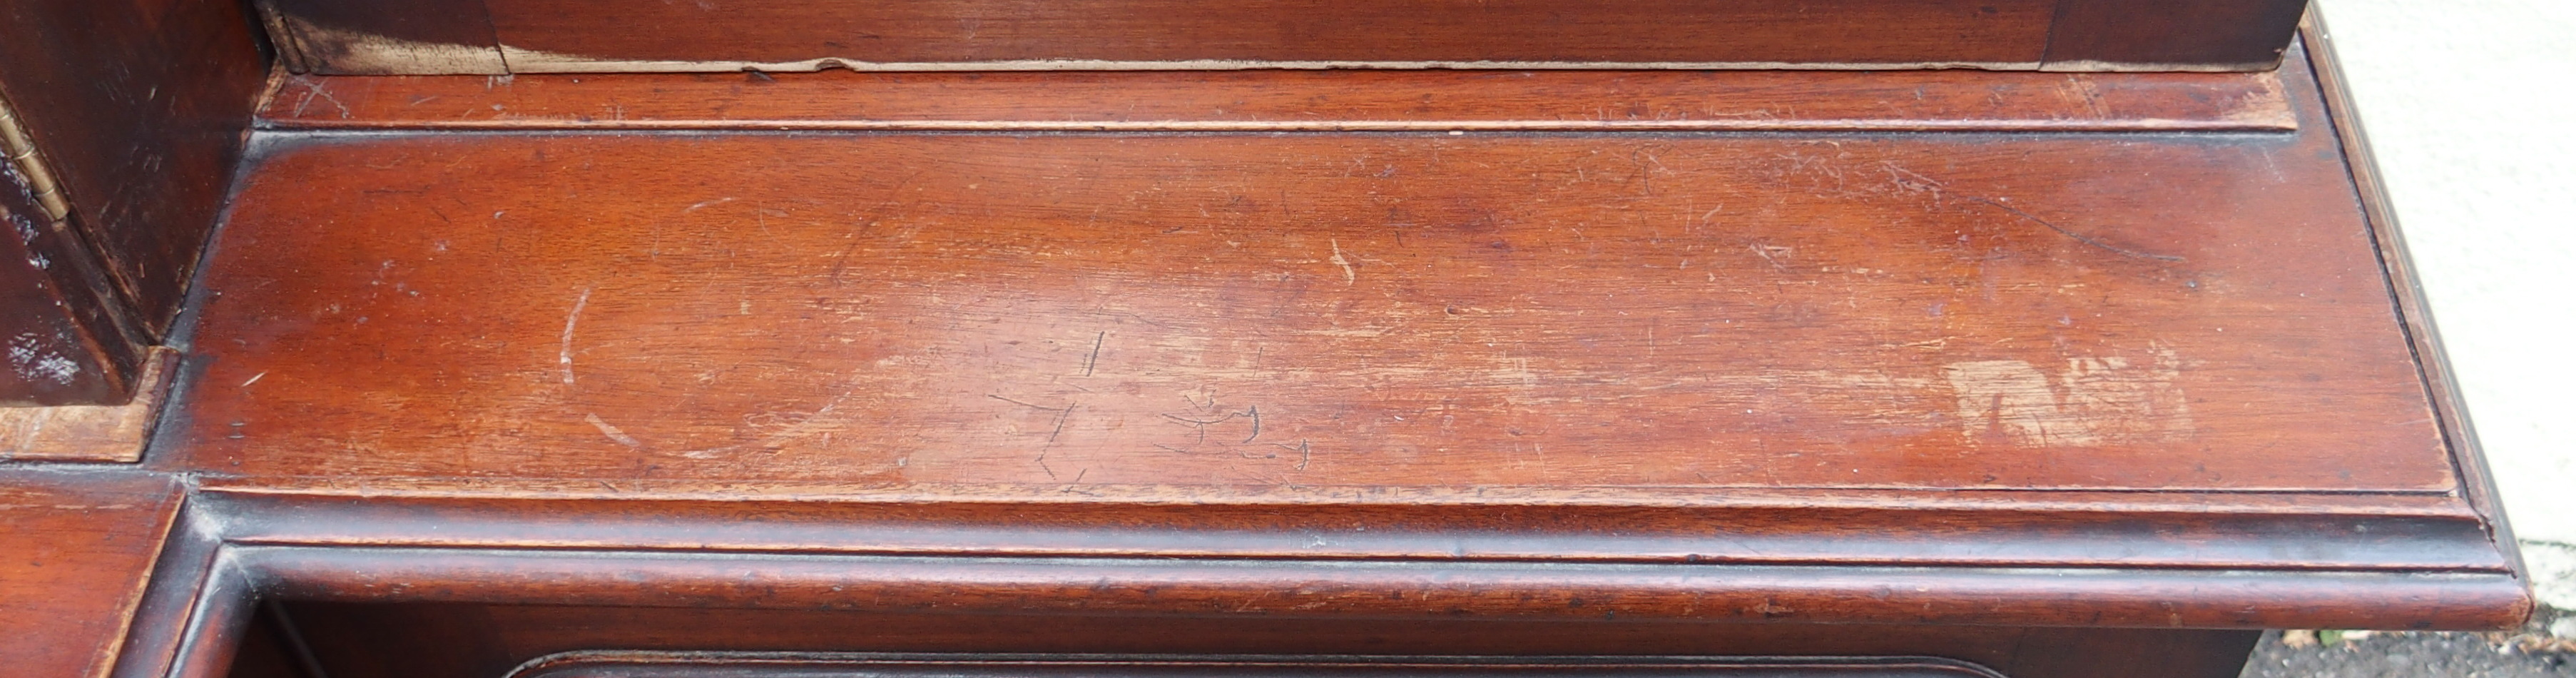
pixel 75 549
pixel 541 35
pixel 1336 378
pixel 1398 589
pixel 1427 311
pixel 139 108
pixel 2172 34
pixel 1437 100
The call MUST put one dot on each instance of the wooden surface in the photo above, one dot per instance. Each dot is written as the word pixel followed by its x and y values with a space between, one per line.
pixel 557 35
pixel 2080 376
pixel 1434 100
pixel 2169 34
pixel 75 550
pixel 69 338
pixel 534 36
pixel 109 433
pixel 2211 532
pixel 1794 376
pixel 382 36
pixel 1458 311
pixel 138 110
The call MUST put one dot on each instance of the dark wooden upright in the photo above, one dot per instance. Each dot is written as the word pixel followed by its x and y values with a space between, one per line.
pixel 1266 339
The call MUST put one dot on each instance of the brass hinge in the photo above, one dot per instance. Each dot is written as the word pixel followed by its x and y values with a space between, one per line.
pixel 21 150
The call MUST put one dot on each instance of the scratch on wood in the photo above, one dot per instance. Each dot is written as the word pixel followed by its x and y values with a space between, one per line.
pixel 1094 360
pixel 563 354
pixel 612 432
pixel 1026 404
pixel 1059 424
pixel 2093 401
pixel 1350 276
pixel 2079 237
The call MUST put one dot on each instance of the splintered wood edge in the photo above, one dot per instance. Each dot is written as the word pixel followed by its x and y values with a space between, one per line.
pixel 105 433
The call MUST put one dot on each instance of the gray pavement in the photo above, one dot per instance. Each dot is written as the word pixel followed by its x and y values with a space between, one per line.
pixel 2412 655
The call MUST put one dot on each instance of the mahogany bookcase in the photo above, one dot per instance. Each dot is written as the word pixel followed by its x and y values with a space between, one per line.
pixel 1142 338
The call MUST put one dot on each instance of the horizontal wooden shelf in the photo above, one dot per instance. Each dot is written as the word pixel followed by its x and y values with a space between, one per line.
pixel 1503 347
pixel 2172 312
pixel 1096 335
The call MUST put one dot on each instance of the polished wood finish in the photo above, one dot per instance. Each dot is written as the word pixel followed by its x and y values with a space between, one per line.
pixel 1433 100
pixel 1282 312
pixel 136 111
pixel 76 548
pixel 1262 372
pixel 535 36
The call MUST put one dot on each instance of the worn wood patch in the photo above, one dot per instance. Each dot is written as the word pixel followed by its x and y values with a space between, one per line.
pixel 114 433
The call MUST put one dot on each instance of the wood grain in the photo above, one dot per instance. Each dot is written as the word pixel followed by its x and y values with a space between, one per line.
pixel 2184 312
pixel 75 549
pixel 1437 100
